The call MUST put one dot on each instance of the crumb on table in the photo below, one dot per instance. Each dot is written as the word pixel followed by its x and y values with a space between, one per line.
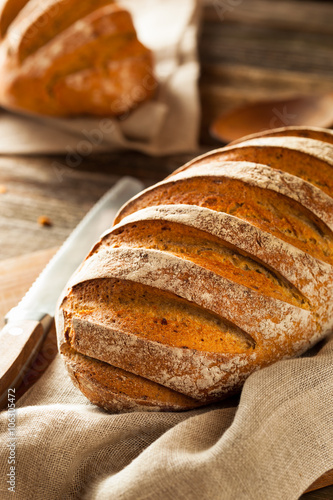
pixel 43 220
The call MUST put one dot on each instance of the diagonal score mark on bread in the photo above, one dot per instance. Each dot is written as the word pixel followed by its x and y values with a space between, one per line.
pixel 207 250
pixel 268 206
pixel 316 133
pixel 311 160
pixel 102 383
pixel 240 244
pixel 9 10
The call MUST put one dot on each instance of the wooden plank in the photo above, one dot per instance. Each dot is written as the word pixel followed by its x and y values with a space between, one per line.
pixel 283 15
pixel 37 186
pixel 17 275
pixel 260 50
pixel 264 47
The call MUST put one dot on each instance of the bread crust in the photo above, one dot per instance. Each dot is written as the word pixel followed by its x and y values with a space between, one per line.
pixel 8 12
pixel 69 58
pixel 263 177
pixel 205 275
pixel 320 149
pixel 96 382
pixel 299 268
pixel 317 133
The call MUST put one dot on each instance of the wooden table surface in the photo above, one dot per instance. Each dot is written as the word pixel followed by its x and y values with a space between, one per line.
pixel 256 50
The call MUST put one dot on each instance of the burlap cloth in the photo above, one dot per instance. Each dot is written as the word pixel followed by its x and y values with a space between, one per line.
pixel 273 445
pixel 167 124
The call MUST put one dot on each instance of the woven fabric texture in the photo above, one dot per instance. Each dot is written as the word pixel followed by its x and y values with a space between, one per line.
pixel 272 443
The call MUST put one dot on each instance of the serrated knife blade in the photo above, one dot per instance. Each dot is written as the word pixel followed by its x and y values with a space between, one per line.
pixel 28 323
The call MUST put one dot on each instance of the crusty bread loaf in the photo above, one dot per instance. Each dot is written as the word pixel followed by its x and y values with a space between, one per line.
pixel 72 57
pixel 221 269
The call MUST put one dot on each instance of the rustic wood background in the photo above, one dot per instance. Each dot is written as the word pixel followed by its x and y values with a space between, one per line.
pixel 249 50
pixel 254 50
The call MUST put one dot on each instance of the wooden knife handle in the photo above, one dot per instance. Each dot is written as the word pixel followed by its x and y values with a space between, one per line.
pixel 18 342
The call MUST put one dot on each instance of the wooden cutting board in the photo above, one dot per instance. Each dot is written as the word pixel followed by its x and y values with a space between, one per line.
pixel 16 277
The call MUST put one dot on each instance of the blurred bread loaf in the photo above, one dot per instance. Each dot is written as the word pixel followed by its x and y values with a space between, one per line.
pixel 219 270
pixel 72 57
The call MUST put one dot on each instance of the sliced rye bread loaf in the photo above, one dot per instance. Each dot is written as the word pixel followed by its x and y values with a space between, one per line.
pixel 221 269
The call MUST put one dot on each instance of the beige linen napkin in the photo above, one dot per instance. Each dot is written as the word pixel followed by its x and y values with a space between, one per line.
pixel 272 446
pixel 167 124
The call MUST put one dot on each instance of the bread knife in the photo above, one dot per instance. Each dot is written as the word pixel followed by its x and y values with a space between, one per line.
pixel 28 324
